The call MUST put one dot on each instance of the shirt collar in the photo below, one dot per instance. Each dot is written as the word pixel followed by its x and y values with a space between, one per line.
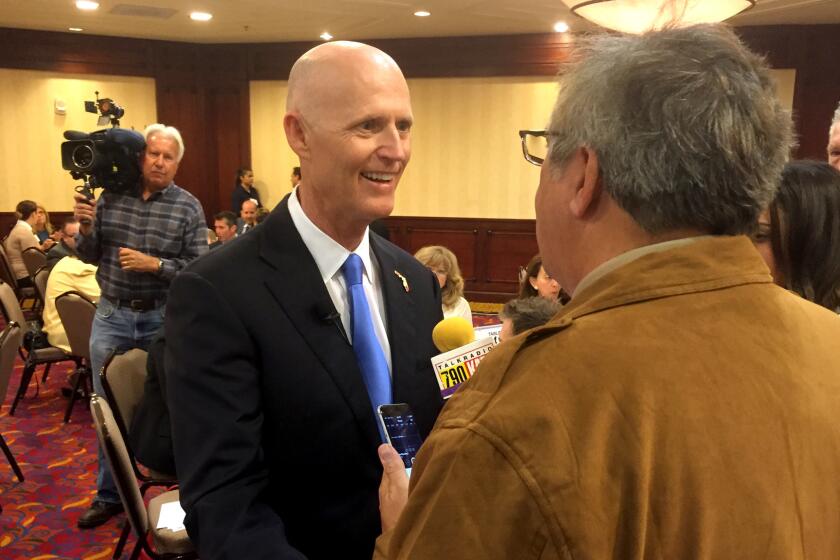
pixel 27 224
pixel 626 258
pixel 329 255
pixel 157 194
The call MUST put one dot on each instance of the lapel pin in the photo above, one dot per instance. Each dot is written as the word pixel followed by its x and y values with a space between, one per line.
pixel 403 280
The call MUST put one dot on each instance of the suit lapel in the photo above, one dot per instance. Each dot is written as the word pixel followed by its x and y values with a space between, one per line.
pixel 399 306
pixel 296 284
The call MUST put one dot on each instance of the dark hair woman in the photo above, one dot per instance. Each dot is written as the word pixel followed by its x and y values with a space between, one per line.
pixel 799 233
pixel 535 281
pixel 244 190
pixel 21 238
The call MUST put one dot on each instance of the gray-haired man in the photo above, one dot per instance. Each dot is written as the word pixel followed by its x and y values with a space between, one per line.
pixel 834 140
pixel 140 240
pixel 681 405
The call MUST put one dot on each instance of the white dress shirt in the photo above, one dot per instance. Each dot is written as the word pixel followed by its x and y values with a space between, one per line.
pixel 329 257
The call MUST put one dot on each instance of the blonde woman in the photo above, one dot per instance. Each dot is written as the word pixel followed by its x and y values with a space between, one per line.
pixel 42 229
pixel 444 264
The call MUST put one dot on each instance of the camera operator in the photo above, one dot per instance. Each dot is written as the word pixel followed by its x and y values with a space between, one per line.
pixel 140 239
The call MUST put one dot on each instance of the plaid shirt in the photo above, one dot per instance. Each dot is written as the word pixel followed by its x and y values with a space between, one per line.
pixel 169 225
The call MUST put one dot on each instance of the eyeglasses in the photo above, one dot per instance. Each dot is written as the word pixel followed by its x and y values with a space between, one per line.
pixel 535 145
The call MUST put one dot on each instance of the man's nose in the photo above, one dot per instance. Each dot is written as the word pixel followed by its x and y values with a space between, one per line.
pixel 395 144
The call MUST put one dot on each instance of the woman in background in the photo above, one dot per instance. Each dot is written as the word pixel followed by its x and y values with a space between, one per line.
pixel 21 238
pixel 444 264
pixel 799 233
pixel 244 190
pixel 535 281
pixel 43 229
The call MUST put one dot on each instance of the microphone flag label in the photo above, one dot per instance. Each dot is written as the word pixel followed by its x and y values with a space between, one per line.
pixel 454 368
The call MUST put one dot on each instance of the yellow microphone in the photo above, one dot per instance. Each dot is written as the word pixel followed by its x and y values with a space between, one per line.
pixel 452 333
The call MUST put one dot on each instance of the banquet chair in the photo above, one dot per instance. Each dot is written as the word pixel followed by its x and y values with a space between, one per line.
pixel 143 519
pixel 10 341
pixel 76 312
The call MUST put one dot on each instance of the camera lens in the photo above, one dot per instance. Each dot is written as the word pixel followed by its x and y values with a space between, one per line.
pixel 82 157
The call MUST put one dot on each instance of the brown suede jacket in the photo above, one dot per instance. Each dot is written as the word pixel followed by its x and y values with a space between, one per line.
pixel 681 406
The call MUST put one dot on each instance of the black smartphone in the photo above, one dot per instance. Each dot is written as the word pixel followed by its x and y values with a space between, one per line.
pixel 398 423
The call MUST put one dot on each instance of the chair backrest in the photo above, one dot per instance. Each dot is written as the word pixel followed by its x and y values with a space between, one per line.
pixel 33 259
pixel 40 280
pixel 116 452
pixel 10 341
pixel 6 273
pixel 76 312
pixel 124 378
pixel 11 304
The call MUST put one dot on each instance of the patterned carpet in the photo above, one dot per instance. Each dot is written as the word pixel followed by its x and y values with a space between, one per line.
pixel 59 465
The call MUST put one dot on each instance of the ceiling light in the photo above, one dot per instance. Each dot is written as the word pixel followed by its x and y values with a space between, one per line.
pixel 561 27
pixel 76 29
pixel 638 16
pixel 422 13
pixel 325 36
pixel 201 16
pixel 86 5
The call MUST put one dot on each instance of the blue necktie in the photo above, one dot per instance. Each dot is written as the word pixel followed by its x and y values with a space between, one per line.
pixel 368 351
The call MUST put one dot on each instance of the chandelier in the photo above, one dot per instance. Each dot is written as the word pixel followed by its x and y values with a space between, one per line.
pixel 638 16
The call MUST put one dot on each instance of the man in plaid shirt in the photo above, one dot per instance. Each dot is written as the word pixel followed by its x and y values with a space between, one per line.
pixel 140 240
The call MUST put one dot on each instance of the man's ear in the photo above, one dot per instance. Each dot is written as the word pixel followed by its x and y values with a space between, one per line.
pixel 588 190
pixel 295 134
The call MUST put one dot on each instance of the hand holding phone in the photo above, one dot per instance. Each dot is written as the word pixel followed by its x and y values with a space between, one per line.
pixel 401 431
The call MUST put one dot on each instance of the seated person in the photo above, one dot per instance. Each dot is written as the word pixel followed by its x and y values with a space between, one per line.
pixel 43 228
pixel 535 281
pixel 262 214
pixel 247 217
pixel 225 227
pixel 65 242
pixel 23 237
pixel 150 433
pixel 799 233
pixel 68 274
pixel 520 314
pixel 444 264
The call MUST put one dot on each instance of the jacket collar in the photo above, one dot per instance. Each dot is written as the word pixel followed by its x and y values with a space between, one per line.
pixel 709 263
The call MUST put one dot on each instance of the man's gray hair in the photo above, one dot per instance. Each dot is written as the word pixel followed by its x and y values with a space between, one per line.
pixel 527 313
pixel 169 131
pixel 685 122
pixel 834 120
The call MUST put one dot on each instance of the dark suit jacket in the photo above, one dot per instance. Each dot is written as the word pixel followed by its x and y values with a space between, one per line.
pixel 150 433
pixel 275 438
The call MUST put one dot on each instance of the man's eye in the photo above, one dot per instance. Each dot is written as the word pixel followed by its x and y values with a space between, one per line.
pixel 404 126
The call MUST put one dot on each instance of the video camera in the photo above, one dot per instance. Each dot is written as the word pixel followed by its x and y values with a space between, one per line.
pixel 108 159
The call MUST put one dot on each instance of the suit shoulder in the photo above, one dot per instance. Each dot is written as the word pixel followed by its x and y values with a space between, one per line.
pixel 400 256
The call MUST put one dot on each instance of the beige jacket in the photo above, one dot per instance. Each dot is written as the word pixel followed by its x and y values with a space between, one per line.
pixel 20 238
pixel 68 274
pixel 681 406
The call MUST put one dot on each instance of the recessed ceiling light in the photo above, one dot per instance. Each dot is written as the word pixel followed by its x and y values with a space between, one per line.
pixel 422 13
pixel 561 27
pixel 201 16
pixel 87 5
pixel 76 29
pixel 325 36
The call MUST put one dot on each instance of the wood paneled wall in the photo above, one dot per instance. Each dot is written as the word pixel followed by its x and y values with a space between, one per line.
pixel 203 90
pixel 489 252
